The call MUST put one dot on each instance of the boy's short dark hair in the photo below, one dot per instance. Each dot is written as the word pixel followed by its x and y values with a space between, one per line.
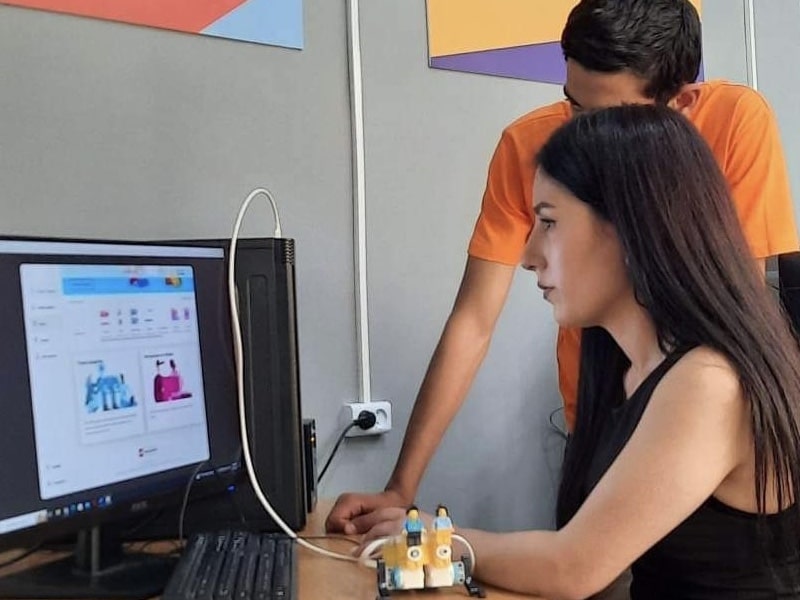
pixel 657 40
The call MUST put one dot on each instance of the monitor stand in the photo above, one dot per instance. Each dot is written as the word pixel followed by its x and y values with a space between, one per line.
pixel 98 568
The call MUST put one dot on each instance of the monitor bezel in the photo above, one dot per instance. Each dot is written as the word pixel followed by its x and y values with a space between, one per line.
pixel 142 505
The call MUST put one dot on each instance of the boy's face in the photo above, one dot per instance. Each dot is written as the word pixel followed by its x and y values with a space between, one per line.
pixel 588 90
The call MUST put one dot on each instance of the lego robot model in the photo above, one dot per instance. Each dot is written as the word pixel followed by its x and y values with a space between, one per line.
pixel 418 558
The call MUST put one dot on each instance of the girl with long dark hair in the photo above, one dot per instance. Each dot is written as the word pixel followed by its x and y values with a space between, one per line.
pixel 689 396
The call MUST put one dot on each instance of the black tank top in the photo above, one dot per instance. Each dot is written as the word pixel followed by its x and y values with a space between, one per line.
pixel 718 552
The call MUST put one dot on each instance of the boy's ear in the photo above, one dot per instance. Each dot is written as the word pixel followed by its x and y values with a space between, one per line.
pixel 686 98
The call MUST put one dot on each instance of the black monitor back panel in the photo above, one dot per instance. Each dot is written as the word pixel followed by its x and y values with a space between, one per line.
pixel 265 279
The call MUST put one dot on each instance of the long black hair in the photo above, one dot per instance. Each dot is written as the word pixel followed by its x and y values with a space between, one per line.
pixel 647 171
pixel 658 40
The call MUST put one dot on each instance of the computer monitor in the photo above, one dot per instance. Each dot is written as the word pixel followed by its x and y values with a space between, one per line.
pixel 118 390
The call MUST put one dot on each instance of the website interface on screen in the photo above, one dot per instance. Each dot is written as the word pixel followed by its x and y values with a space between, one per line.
pixel 115 372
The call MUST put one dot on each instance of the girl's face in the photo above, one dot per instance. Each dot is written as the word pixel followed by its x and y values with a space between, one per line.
pixel 577 258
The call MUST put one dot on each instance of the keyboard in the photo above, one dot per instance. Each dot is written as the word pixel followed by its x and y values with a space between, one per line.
pixel 234 565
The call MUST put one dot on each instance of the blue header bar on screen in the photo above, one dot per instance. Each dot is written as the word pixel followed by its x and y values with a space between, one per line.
pixel 103 286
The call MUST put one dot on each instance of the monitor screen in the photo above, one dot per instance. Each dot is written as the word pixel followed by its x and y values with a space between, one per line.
pixel 118 382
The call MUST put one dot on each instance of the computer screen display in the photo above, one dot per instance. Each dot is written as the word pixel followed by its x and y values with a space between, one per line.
pixel 117 380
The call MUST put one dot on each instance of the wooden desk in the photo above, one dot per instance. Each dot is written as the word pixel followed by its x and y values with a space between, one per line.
pixel 321 578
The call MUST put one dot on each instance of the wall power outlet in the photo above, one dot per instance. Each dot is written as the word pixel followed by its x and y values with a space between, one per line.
pixel 382 409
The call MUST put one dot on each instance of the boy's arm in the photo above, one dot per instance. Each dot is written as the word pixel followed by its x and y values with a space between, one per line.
pixel 499 237
pixel 461 349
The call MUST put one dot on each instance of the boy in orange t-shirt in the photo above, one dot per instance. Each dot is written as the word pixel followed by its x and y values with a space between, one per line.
pixel 740 129
pixel 617 52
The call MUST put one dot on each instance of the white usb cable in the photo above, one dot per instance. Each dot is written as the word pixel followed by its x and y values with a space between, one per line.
pixel 239 362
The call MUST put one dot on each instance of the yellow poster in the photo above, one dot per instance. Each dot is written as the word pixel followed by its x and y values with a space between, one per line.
pixel 508 38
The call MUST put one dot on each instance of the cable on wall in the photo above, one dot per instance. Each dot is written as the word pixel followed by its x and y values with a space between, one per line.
pixel 359 199
pixel 750 43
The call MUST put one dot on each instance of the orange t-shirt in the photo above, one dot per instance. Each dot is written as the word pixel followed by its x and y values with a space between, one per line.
pixel 741 130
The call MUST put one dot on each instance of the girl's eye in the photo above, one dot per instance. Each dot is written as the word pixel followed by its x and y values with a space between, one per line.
pixel 547 223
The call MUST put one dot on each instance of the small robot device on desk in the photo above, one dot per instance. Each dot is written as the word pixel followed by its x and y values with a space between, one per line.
pixel 418 559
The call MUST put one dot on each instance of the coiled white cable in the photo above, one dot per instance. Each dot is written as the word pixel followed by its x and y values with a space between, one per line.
pixel 469 549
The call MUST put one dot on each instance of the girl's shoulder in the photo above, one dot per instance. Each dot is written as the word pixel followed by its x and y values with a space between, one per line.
pixel 702 374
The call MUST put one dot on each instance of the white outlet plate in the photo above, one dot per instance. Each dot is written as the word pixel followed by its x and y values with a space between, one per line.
pixel 383 417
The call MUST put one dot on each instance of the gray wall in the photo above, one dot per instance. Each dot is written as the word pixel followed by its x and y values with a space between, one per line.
pixel 778 47
pixel 120 131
